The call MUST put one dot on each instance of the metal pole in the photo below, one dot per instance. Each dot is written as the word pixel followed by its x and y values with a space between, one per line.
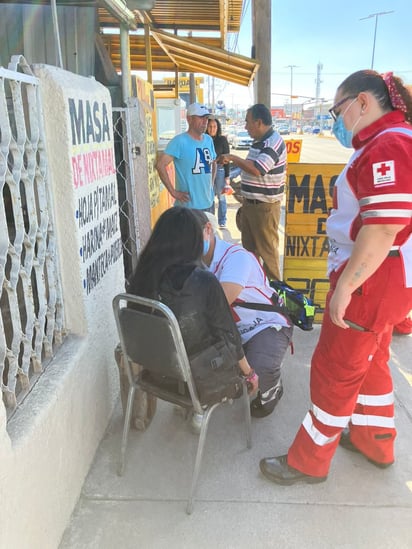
pixel 374 40
pixel 125 62
pixel 148 48
pixel 56 33
pixel 291 67
pixel 291 97
pixel 261 39
pixel 375 15
pixel 192 88
pixel 192 84
pixel 212 106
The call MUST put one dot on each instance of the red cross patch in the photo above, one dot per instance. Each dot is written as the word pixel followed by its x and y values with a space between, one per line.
pixel 383 173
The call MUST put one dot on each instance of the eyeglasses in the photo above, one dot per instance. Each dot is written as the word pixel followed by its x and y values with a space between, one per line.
pixel 332 110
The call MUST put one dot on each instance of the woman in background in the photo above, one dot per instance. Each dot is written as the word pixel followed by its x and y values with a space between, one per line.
pixel 222 179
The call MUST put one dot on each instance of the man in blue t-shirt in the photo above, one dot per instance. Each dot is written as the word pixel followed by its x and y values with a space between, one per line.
pixel 193 155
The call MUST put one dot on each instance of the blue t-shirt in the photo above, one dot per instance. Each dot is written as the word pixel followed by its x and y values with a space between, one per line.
pixel 193 169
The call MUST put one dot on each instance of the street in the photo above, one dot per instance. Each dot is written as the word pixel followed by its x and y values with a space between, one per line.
pixel 319 149
pixel 315 149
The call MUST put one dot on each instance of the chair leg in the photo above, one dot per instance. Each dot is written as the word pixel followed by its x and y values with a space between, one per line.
pixel 126 428
pixel 199 455
pixel 248 418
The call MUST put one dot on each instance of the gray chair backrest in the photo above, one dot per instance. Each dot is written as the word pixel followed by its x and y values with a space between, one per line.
pixel 151 336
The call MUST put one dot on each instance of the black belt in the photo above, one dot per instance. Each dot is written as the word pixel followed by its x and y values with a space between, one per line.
pixel 394 253
pixel 253 201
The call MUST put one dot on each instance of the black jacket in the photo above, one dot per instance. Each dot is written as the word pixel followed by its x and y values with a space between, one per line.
pixel 221 145
pixel 197 299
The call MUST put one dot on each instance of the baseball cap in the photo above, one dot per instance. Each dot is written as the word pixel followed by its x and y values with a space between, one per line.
pixel 196 109
pixel 212 220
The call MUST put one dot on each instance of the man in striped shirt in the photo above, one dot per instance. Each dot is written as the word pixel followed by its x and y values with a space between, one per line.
pixel 263 184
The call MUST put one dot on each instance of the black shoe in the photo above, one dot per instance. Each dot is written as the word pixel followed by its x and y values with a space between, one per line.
pixel 346 443
pixel 277 470
pixel 263 405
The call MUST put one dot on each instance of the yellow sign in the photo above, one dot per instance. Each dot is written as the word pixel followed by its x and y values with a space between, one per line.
pixel 184 82
pixel 308 201
pixel 293 148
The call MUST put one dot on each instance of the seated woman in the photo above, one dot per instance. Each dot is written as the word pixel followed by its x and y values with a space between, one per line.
pixel 170 270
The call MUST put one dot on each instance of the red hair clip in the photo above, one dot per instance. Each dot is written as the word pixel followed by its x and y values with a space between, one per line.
pixel 395 97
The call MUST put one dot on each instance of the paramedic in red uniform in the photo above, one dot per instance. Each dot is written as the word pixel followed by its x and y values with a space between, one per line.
pixel 370 272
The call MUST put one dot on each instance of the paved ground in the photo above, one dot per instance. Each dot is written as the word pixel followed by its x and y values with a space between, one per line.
pixel 359 506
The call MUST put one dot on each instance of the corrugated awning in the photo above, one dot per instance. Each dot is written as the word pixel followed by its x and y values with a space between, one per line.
pixel 171 52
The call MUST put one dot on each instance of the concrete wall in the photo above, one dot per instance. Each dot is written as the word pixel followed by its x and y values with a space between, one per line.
pixel 47 448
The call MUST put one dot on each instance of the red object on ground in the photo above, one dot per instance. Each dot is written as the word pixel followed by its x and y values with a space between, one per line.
pixel 404 327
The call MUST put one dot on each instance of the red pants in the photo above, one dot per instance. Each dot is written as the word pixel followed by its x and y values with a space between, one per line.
pixel 350 378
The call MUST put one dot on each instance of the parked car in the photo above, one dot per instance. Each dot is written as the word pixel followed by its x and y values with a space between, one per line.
pixel 315 130
pixel 230 132
pixel 283 130
pixel 241 140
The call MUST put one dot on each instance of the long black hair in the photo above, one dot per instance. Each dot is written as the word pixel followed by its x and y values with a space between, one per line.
pixel 218 124
pixel 177 239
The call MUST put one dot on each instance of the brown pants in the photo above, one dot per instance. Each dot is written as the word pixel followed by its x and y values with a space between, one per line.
pixel 260 234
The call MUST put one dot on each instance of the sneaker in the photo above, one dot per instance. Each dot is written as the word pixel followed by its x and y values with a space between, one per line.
pixel 196 423
pixel 222 225
pixel 265 403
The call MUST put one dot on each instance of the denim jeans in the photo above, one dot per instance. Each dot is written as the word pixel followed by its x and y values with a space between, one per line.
pixel 218 187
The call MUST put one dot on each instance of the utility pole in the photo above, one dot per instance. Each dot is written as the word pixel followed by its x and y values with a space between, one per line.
pixel 375 15
pixel 212 106
pixel 261 49
pixel 319 68
pixel 318 83
pixel 291 67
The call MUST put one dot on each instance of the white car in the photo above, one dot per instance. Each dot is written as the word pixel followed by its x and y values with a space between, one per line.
pixel 241 140
pixel 230 132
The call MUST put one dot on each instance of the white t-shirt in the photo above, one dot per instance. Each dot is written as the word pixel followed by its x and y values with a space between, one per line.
pixel 232 263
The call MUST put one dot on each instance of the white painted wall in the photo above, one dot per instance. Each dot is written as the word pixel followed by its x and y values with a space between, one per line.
pixel 49 444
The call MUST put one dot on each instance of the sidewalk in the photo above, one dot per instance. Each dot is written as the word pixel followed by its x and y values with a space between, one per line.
pixel 359 506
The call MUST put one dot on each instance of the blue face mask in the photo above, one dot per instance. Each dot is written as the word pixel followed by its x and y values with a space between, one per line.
pixel 343 135
pixel 206 246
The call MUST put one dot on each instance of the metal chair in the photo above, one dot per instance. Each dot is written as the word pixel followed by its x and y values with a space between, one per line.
pixel 150 336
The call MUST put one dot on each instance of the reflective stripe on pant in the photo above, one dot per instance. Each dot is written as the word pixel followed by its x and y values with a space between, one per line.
pixel 372 424
pixel 351 381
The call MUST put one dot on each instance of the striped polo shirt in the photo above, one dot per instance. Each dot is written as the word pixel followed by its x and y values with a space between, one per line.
pixel 270 158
